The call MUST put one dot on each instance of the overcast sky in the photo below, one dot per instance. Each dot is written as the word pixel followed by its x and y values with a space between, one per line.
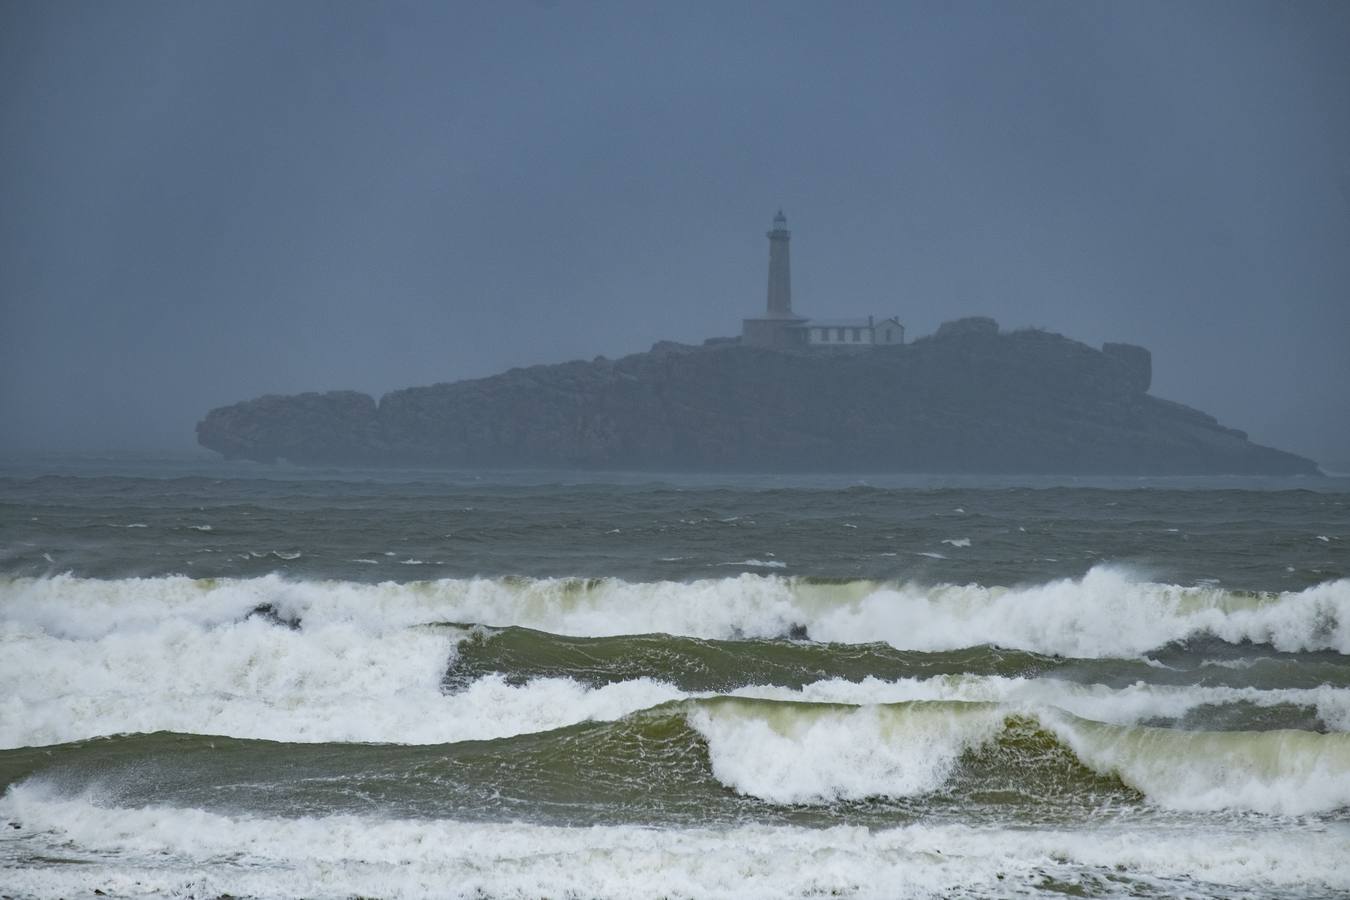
pixel 204 202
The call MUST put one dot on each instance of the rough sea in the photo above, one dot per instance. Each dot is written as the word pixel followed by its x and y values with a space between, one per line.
pixel 261 681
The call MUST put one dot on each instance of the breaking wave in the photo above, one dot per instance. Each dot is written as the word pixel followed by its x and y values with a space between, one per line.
pixel 784 753
pixel 1105 613
pixel 310 661
pixel 126 850
pixel 814 753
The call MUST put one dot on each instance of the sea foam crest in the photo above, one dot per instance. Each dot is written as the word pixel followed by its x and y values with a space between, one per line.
pixel 817 753
pixel 84 657
pixel 1129 705
pixel 332 680
pixel 212 670
pixel 1280 772
pixel 1104 613
pixel 339 682
pixel 183 852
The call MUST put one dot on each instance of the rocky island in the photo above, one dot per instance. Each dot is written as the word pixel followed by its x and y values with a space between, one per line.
pixel 969 398
pixel 790 394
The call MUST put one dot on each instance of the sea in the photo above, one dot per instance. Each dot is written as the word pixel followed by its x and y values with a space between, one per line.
pixel 242 680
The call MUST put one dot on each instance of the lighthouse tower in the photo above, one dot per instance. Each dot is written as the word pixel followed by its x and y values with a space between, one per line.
pixel 779 327
pixel 780 272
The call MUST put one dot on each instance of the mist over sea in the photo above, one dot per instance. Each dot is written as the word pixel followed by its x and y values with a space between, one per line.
pixel 263 681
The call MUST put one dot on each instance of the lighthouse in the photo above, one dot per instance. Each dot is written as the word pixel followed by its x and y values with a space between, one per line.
pixel 780 271
pixel 779 327
pixel 782 329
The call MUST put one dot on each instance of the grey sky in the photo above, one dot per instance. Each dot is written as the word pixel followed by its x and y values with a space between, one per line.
pixel 200 203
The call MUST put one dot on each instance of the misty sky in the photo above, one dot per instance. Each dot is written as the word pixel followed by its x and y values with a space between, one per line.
pixel 204 202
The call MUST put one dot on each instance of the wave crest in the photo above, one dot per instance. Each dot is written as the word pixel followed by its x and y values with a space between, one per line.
pixel 819 753
pixel 1104 613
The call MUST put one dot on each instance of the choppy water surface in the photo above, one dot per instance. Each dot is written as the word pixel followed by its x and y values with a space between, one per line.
pixel 260 682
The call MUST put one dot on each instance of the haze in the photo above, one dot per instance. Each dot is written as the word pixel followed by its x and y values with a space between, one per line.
pixel 202 203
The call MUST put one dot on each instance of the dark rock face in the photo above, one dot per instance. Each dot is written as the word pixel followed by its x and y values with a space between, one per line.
pixel 979 326
pixel 967 399
pixel 1137 361
pixel 312 428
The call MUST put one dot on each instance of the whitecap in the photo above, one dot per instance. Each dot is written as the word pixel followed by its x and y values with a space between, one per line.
pixel 166 851
pixel 1104 613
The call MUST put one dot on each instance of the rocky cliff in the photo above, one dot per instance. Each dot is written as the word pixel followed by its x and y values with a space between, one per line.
pixel 966 399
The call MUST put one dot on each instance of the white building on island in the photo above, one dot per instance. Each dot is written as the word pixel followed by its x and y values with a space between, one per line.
pixel 780 327
pixel 850 332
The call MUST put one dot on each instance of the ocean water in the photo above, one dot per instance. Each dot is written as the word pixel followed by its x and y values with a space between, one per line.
pixel 260 681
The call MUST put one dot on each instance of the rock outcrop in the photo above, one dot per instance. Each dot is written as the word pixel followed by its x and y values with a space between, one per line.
pixel 966 399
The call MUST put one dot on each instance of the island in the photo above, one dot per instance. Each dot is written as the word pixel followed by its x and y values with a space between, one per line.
pixel 969 398
pixel 790 393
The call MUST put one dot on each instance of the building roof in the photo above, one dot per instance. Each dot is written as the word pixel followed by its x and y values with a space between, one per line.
pixel 836 323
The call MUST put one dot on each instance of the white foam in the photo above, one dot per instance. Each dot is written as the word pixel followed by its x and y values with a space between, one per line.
pixel 188 852
pixel 1105 613
pixel 333 680
pixel 348 675
pixel 1279 772
pixel 1130 705
pixel 81 657
pixel 754 605
pixel 370 704
pixel 795 753
pixel 811 753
